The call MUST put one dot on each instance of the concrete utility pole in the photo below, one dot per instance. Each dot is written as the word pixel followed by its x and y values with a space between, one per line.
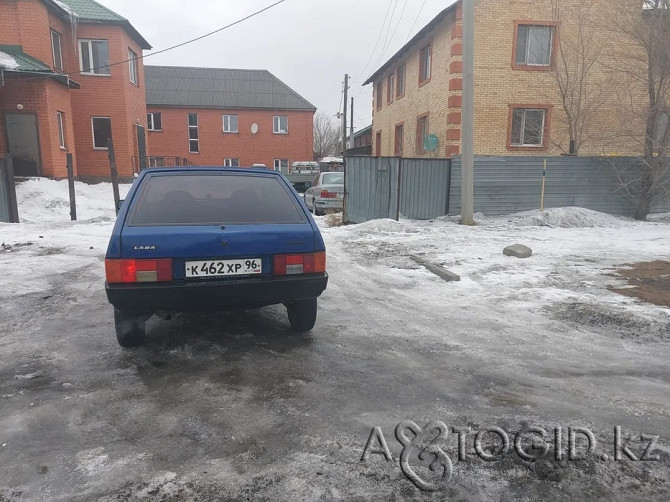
pixel 467 133
pixel 344 115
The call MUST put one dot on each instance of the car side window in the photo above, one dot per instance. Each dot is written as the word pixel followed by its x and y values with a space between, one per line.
pixel 315 181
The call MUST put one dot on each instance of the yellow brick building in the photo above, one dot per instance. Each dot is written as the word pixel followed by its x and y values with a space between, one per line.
pixel 523 50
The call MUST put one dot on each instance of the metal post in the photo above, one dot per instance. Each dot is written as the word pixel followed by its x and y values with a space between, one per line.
pixel 113 172
pixel 11 185
pixel 70 186
pixel 544 177
pixel 351 129
pixel 468 110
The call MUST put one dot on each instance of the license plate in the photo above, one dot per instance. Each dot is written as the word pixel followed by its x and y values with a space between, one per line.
pixel 223 268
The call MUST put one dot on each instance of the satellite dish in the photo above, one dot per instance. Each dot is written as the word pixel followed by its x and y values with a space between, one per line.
pixel 254 128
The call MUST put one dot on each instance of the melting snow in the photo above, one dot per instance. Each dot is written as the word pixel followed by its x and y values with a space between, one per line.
pixel 7 62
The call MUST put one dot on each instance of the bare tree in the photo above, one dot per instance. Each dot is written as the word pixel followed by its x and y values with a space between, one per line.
pixel 583 86
pixel 326 136
pixel 644 66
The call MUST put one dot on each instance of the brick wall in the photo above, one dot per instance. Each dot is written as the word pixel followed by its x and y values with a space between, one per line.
pixel 434 98
pixel 109 96
pixel 28 23
pixel 499 86
pixel 215 145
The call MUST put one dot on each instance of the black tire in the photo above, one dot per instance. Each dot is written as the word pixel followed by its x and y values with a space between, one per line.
pixel 129 328
pixel 317 212
pixel 302 314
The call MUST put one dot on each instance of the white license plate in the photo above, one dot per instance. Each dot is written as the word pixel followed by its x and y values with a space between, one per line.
pixel 223 268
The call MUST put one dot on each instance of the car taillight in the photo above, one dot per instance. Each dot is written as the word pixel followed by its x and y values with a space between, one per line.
pixel 325 194
pixel 138 270
pixel 289 264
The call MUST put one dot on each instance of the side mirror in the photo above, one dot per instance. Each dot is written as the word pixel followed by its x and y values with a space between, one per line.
pixel 119 205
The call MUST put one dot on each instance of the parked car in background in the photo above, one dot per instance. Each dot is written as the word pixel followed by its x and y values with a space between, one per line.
pixel 326 193
pixel 207 238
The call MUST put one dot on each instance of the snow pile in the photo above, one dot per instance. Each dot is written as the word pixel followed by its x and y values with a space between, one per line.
pixel 44 200
pixel 385 226
pixel 7 62
pixel 568 217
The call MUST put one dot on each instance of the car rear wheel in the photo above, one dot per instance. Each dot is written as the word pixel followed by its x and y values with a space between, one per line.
pixel 129 328
pixel 302 314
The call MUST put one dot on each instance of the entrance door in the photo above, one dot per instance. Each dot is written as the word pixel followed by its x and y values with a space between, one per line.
pixel 23 143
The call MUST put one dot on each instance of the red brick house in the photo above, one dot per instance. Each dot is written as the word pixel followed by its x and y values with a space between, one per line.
pixel 217 116
pixel 70 77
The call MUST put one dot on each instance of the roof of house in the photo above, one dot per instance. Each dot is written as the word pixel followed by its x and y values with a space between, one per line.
pixel 219 88
pixel 26 64
pixel 405 48
pixel 92 11
pixel 365 130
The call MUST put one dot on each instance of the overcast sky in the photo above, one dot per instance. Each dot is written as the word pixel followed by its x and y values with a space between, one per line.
pixel 308 44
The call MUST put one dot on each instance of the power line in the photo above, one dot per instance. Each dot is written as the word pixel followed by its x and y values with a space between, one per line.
pixel 386 45
pixel 417 18
pixel 376 43
pixel 174 46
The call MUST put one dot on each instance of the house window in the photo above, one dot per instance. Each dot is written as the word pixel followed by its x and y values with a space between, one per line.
pixel 533 45
pixel 102 132
pixel 527 127
pixel 280 124
pixel 425 61
pixel 281 165
pixel 132 66
pixel 390 88
pixel 399 138
pixel 378 144
pixel 94 57
pixel 193 139
pixel 400 84
pixel 380 89
pixel 231 162
pixel 57 52
pixel 154 121
pixel 230 123
pixel 421 132
pixel 61 130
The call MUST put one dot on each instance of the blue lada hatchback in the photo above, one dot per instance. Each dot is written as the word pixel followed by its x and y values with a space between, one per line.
pixel 208 239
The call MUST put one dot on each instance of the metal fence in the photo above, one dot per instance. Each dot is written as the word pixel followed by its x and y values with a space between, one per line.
pixel 140 163
pixel 387 187
pixel 8 207
pixel 504 185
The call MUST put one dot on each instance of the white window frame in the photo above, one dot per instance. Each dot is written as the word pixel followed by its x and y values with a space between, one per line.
pixel 277 164
pixel 228 129
pixel 228 162
pixel 132 66
pixel 530 28
pixel 188 123
pixel 523 128
pixel 95 69
pixel 276 124
pixel 58 65
pixel 426 66
pixel 93 131
pixel 61 130
pixel 152 123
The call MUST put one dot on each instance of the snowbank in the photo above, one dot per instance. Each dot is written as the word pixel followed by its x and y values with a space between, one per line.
pixel 44 200
pixel 568 217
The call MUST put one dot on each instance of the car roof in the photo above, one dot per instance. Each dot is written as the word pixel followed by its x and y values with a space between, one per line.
pixel 215 169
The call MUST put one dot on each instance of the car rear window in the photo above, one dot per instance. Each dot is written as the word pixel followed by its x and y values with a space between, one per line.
pixel 333 179
pixel 214 199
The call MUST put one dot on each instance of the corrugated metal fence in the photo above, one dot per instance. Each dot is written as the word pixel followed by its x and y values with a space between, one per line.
pixel 506 185
pixel 387 187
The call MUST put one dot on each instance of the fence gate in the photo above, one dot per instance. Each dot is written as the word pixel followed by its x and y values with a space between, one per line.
pixel 371 188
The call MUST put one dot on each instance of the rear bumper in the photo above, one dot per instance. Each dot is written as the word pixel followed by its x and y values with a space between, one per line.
pixel 323 204
pixel 196 296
